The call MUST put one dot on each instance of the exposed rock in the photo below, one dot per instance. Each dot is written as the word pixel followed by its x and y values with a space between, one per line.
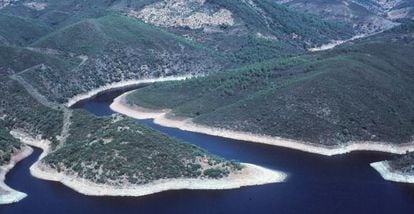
pixel 36 5
pixel 266 37
pixel 5 3
pixel 401 13
pixel 184 13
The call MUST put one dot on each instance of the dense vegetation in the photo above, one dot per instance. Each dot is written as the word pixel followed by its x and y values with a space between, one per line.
pixel 19 110
pixel 86 44
pixel 285 32
pixel 8 145
pixel 403 164
pixel 111 149
pixel 365 16
pixel 356 92
pixel 115 48
pixel 16 30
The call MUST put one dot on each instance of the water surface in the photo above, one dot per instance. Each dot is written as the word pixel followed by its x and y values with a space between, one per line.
pixel 316 184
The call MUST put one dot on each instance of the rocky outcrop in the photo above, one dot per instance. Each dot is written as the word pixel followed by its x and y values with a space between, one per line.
pixel 184 13
pixel 36 5
pixel 5 3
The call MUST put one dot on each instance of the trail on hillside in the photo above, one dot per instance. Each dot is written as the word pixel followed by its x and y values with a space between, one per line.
pixel 67 113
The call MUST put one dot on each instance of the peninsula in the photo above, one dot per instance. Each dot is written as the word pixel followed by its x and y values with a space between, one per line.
pixel 328 103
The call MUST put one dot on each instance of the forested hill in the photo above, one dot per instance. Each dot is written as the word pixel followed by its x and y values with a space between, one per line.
pixel 87 44
pixel 361 91
pixel 224 25
pixel 8 146
pixel 365 16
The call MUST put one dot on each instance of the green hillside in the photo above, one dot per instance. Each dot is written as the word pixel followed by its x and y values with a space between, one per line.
pixel 21 111
pixel 87 44
pixel 92 36
pixel 8 146
pixel 403 164
pixel 107 149
pixel 356 92
pixel 58 14
pixel 20 31
pixel 264 30
pixel 365 16
pixel 17 59
pixel 116 48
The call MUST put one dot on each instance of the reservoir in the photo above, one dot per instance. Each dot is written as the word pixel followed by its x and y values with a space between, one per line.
pixel 316 184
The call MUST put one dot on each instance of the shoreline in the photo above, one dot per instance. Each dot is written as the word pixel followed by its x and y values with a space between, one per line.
pixel 250 175
pixel 119 85
pixel 384 169
pixel 11 195
pixel 160 117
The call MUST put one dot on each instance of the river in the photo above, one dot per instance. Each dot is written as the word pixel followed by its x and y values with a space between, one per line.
pixel 316 184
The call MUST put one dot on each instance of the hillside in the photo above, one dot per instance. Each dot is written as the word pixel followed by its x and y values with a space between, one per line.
pixel 10 149
pixel 88 44
pixel 18 31
pixel 19 110
pixel 8 146
pixel 56 14
pixel 358 92
pixel 112 49
pixel 366 16
pixel 403 164
pixel 119 151
pixel 250 30
pixel 81 143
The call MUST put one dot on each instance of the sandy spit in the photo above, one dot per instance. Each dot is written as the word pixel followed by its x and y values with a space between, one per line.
pixel 161 117
pixel 10 195
pixel 250 175
pixel 384 169
pixel 118 85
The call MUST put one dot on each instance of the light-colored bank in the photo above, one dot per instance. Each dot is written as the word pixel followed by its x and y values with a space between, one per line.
pixel 250 175
pixel 162 117
pixel 7 194
pixel 122 84
pixel 384 169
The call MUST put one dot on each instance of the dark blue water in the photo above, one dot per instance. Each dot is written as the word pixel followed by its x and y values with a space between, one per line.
pixel 316 184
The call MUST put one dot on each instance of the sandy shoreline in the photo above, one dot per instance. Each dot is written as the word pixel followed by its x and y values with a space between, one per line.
pixel 249 176
pixel 160 117
pixel 122 84
pixel 11 195
pixel 384 169
pixel 37 141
